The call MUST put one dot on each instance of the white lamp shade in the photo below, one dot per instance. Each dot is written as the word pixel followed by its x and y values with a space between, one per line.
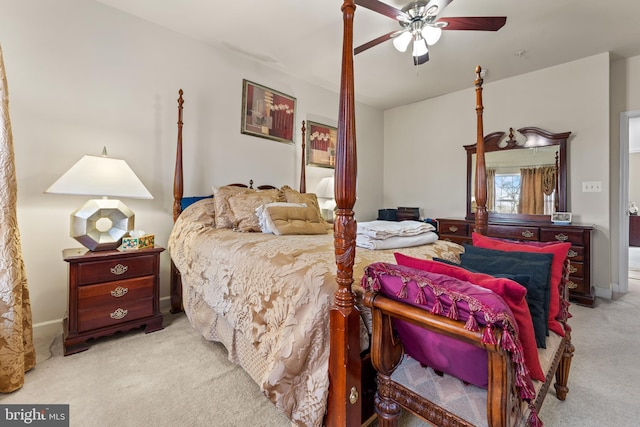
pixel 325 188
pixel 402 41
pixel 431 34
pixel 100 176
pixel 419 47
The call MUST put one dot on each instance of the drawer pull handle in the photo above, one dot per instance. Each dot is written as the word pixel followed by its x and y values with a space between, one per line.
pixel 119 313
pixel 119 292
pixel 119 269
pixel 527 234
pixel 572 253
pixel 571 285
pixel 453 228
pixel 572 269
pixel 562 237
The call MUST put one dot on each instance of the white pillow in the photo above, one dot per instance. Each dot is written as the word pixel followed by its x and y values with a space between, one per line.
pixel 262 217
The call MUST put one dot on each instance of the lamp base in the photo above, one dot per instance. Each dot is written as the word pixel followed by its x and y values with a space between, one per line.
pixel 100 224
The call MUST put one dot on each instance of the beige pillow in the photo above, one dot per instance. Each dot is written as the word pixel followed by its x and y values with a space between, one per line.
pixel 310 199
pixel 224 215
pixel 244 205
pixel 203 211
pixel 294 220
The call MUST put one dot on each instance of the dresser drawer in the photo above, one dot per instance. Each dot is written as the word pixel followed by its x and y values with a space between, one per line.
pixel 114 313
pixel 453 228
pixel 576 253
pixel 576 285
pixel 575 237
pixel 118 269
pixel 119 292
pixel 513 232
pixel 456 239
pixel 576 269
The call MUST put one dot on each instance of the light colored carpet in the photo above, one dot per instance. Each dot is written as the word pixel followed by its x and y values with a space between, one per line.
pixel 175 378
pixel 634 260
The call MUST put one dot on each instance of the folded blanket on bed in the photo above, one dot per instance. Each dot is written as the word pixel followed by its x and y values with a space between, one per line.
pixel 386 229
pixel 395 242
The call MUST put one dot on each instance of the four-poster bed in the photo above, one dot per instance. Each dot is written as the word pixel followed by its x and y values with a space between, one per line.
pixel 293 373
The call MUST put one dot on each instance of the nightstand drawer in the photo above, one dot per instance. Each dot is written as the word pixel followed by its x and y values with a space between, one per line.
pixel 118 269
pixel 114 313
pixel 118 293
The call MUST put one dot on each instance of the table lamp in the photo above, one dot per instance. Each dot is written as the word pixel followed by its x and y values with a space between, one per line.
pixel 325 192
pixel 101 223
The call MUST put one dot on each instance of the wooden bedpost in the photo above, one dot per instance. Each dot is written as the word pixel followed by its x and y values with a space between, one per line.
pixel 303 177
pixel 344 403
pixel 481 173
pixel 178 188
pixel 177 176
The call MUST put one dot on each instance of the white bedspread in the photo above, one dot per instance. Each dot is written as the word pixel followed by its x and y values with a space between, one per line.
pixel 385 229
pixel 395 242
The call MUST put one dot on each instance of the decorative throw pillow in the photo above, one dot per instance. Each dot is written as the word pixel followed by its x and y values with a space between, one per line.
pixel 310 199
pixel 559 251
pixel 244 205
pixel 261 212
pixel 538 266
pixel 224 215
pixel 512 293
pixel 294 220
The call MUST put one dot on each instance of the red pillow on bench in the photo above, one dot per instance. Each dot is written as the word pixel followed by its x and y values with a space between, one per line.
pixel 512 293
pixel 559 251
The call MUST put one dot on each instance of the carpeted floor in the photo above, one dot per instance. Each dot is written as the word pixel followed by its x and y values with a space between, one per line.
pixel 175 378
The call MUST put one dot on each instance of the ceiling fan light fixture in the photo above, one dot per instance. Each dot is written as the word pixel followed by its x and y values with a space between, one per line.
pixel 419 47
pixel 401 42
pixel 431 34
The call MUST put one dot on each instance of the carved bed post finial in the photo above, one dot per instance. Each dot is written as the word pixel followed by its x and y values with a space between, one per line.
pixel 481 173
pixel 177 176
pixel 344 402
pixel 303 177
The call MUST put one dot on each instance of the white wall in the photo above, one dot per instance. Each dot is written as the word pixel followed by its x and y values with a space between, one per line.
pixel 82 75
pixel 425 163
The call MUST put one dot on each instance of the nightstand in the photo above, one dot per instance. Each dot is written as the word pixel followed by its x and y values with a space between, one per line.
pixel 111 291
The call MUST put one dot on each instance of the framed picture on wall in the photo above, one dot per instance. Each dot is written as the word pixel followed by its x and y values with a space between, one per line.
pixel 267 113
pixel 321 145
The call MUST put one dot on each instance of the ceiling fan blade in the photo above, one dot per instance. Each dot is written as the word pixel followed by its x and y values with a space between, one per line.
pixel 479 23
pixel 374 42
pixel 383 9
pixel 419 60
pixel 441 4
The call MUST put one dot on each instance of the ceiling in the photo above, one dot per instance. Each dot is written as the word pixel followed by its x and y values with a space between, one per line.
pixel 304 38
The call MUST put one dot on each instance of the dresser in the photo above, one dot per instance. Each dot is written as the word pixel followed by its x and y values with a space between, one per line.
pixel 111 291
pixel 459 231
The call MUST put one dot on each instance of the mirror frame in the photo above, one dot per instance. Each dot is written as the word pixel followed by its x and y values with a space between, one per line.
pixel 536 137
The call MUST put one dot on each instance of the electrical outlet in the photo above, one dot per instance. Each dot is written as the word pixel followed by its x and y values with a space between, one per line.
pixel 592 187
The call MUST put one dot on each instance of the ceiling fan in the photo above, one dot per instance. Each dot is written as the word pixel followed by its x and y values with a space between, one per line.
pixel 421 23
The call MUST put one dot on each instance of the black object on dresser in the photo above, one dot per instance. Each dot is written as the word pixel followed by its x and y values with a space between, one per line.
pixel 459 231
pixel 111 291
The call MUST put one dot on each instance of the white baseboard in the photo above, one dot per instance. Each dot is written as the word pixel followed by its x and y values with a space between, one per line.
pixel 604 292
pixel 50 328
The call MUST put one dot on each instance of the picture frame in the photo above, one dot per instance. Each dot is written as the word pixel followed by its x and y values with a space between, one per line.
pixel 321 145
pixel 267 113
pixel 561 218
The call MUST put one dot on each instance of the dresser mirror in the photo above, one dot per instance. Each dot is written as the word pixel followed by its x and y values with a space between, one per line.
pixel 526 174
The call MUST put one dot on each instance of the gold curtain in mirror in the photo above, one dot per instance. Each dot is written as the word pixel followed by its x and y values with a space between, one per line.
pixel 535 184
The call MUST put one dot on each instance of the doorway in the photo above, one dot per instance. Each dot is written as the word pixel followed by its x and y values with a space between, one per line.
pixel 629 142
